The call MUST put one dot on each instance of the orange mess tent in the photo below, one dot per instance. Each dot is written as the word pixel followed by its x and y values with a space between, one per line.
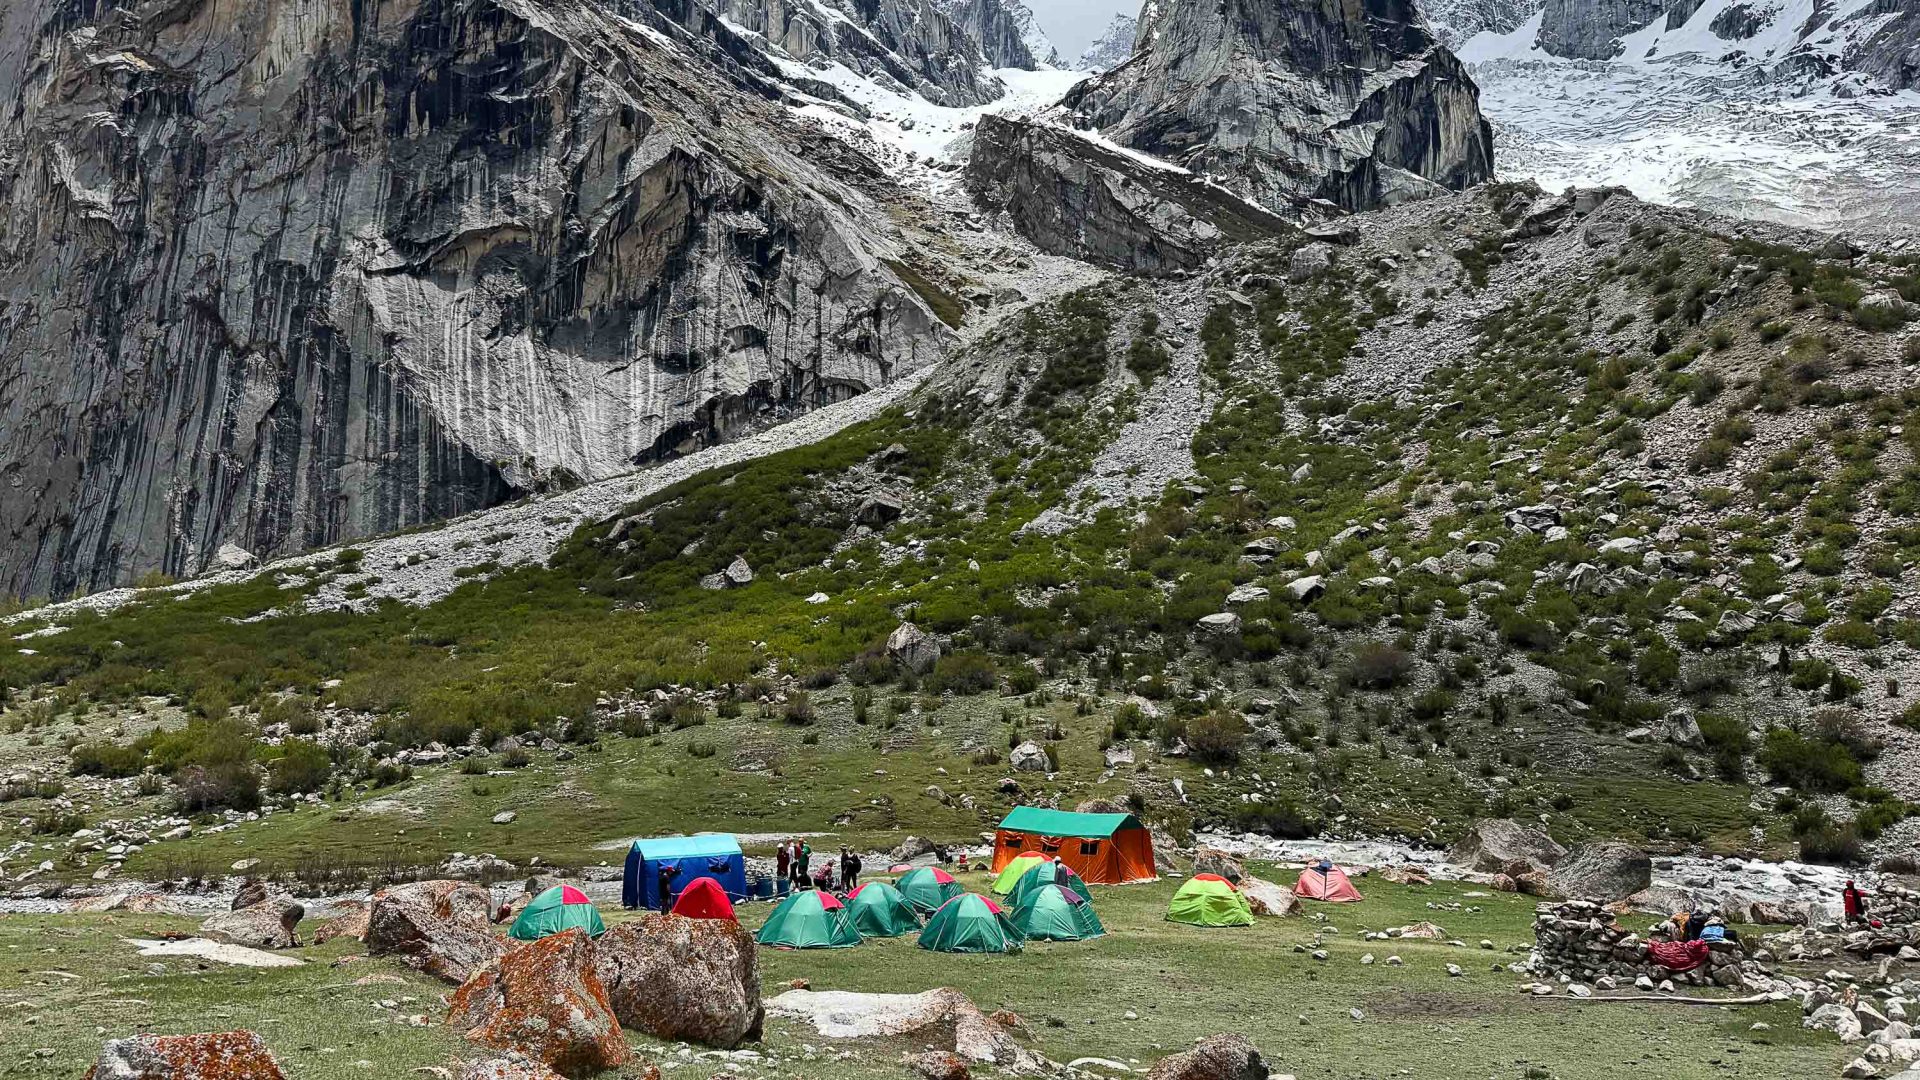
pixel 1104 849
pixel 1326 882
pixel 703 898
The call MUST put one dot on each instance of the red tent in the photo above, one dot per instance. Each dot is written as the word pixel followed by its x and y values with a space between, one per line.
pixel 1329 885
pixel 703 898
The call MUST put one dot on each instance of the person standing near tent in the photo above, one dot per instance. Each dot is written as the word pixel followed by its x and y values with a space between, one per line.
pixel 664 879
pixel 782 854
pixel 849 869
pixel 802 855
pixel 1854 901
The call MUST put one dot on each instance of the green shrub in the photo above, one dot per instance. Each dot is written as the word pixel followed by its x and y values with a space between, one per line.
pixel 106 759
pixel 1217 738
pixel 970 672
pixel 1853 634
pixel 1376 665
pixel 1808 764
pixel 301 766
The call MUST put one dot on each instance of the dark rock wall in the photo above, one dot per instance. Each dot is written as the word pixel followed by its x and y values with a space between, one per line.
pixel 301 270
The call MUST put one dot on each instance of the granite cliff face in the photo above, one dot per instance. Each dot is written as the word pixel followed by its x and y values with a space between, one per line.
pixel 1004 30
pixel 1353 104
pixel 282 273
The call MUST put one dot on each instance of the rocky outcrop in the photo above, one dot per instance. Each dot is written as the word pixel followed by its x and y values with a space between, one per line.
pixel 1004 30
pixel 1113 47
pixel 308 283
pixel 1454 21
pixel 1072 196
pixel 1890 54
pixel 1592 29
pixel 225 1055
pixel 680 979
pixel 543 1000
pixel 1355 105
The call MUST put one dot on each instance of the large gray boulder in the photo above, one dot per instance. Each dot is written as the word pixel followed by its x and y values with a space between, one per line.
pixel 681 979
pixel 1492 844
pixel 267 924
pixel 1602 870
pixel 913 648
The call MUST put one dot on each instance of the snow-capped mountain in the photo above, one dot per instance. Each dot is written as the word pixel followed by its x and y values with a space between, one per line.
pixel 1113 46
pixel 1800 111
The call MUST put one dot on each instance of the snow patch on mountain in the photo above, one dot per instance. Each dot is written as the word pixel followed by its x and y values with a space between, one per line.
pixel 917 141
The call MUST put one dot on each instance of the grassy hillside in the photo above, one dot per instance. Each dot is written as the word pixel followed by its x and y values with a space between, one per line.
pixel 1722 429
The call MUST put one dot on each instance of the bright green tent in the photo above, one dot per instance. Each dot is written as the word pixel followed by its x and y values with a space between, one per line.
pixel 927 887
pixel 1209 900
pixel 1043 875
pixel 1056 913
pixel 1017 869
pixel 562 907
pixel 878 910
pixel 970 923
pixel 809 919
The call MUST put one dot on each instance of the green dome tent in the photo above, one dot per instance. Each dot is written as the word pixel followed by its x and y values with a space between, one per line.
pixel 970 923
pixel 928 887
pixel 1056 913
pixel 1017 869
pixel 1039 877
pixel 562 907
pixel 809 919
pixel 1209 900
pixel 878 910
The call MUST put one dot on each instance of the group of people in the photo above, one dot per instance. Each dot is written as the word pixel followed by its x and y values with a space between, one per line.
pixel 793 865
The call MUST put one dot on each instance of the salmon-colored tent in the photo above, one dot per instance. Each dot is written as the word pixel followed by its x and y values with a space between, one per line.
pixel 1330 885
pixel 1104 849
pixel 703 898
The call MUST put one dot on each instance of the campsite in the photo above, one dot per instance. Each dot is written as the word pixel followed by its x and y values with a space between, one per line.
pixel 1312 991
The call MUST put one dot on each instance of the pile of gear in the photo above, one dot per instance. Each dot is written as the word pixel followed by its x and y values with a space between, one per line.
pixel 1580 940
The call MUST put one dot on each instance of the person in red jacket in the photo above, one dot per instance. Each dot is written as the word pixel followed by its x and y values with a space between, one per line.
pixel 1854 901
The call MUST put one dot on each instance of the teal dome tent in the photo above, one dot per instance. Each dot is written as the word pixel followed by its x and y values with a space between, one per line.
pixel 562 907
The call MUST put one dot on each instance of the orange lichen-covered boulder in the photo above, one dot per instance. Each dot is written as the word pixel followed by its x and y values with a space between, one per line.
pixel 677 978
pixel 223 1055
pixel 543 1000
pixel 1216 1057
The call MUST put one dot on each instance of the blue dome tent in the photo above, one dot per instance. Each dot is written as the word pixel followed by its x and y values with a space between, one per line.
pixel 708 855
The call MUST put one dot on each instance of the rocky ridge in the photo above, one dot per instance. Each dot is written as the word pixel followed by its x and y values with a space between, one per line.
pixel 1361 108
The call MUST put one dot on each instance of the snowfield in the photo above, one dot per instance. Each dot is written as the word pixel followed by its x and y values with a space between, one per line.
pixel 1753 128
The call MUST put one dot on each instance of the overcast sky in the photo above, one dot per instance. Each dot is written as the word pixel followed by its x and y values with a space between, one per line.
pixel 1073 24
